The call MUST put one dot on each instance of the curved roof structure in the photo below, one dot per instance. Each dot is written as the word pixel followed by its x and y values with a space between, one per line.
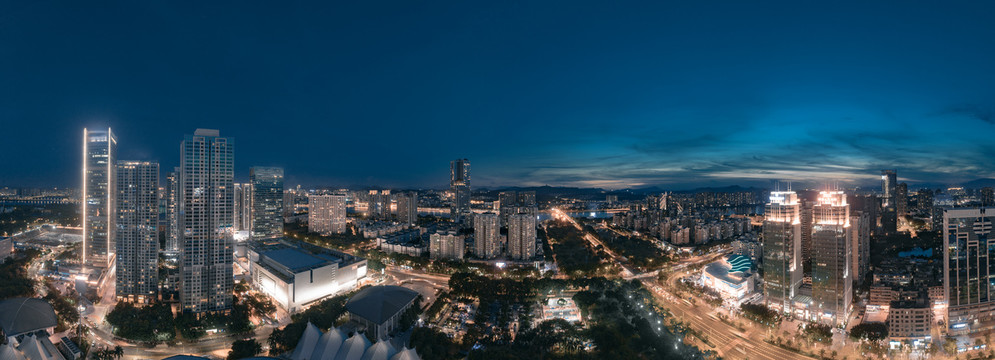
pixel 739 263
pixel 382 350
pixel 378 304
pixel 406 354
pixel 24 315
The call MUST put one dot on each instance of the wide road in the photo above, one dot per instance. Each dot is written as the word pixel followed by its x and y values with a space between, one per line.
pixel 729 342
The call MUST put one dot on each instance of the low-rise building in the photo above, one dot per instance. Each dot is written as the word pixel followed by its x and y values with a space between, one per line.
pixel 297 274
pixel 731 276
pixel 910 321
pixel 378 309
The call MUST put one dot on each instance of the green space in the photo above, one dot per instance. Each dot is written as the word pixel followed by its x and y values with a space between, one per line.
pixel 24 217
pixel 343 242
pixel 621 322
pixel 872 331
pixel 761 314
pixel 640 252
pixel 14 272
pixel 574 255
pixel 150 324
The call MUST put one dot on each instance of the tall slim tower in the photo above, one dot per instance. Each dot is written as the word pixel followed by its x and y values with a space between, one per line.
pixel 137 231
pixel 487 235
pixel 243 207
pixel 206 178
pixel 99 147
pixel 968 248
pixel 782 249
pixel 173 211
pixel 889 201
pixel 459 183
pixel 521 236
pixel 267 202
pixel 832 282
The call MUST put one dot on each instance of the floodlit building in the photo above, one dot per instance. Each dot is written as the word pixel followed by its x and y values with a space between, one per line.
pixel 782 249
pixel 137 245
pixel 295 275
pixel 521 237
pixel 327 214
pixel 966 232
pixel 267 202
pixel 832 282
pixel 378 309
pixel 446 245
pixel 99 192
pixel 732 277
pixel 206 201
pixel 459 184
pixel 486 235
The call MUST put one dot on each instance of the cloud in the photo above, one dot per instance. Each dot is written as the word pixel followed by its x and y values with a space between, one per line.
pixel 975 111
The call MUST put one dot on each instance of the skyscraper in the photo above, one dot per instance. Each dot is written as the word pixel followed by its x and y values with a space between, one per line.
pixel 243 207
pixel 782 249
pixel 459 183
pixel 832 283
pixel 99 147
pixel 172 210
pixel 206 201
pixel 327 214
pixel 487 235
pixel 521 236
pixel 967 250
pixel 379 204
pixel 407 208
pixel 137 245
pixel 902 199
pixel 889 201
pixel 860 235
pixel 924 201
pixel 267 202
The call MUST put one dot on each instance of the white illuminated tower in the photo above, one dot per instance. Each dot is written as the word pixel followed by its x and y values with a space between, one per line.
pixel 98 197
pixel 782 249
pixel 327 214
pixel 206 216
pixel 832 283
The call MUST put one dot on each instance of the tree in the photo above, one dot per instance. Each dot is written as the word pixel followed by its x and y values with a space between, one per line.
pixel 873 331
pixel 950 346
pixel 241 349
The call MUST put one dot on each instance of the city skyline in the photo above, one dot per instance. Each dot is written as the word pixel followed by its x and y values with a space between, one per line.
pixel 833 99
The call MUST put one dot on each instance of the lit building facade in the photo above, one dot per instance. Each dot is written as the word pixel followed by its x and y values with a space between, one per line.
pixel 968 247
pixel 137 245
pixel 521 236
pixel 782 249
pixel 860 235
pixel 296 275
pixel 99 148
pixel 172 211
pixel 889 201
pixel 732 277
pixel 832 283
pixel 267 202
pixel 327 214
pixel 459 184
pixel 206 202
pixel 446 245
pixel 487 235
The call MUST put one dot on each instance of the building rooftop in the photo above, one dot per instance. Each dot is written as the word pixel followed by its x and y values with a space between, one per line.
pixel 295 259
pixel 379 303
pixel 24 315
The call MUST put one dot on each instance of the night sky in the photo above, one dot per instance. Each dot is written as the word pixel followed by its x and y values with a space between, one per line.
pixel 608 94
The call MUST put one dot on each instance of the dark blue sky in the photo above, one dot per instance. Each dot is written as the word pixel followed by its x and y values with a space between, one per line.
pixel 609 94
